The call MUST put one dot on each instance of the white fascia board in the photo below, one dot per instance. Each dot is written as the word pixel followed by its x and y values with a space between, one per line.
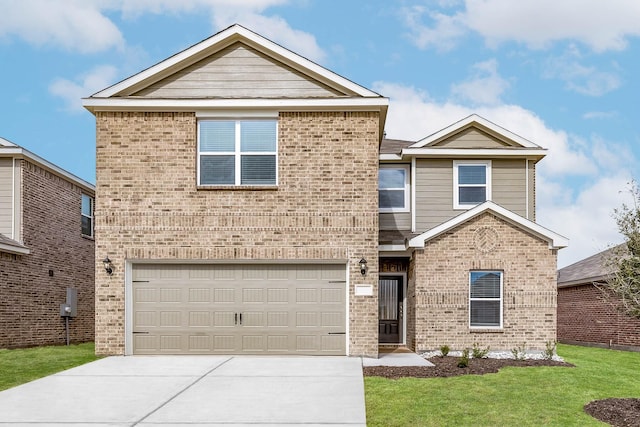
pixel 18 250
pixel 223 39
pixel 556 241
pixel 390 157
pixel 392 248
pixel 474 118
pixel 6 143
pixel 21 153
pixel 284 104
pixel 431 152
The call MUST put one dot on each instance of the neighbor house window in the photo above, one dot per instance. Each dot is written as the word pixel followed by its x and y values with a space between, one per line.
pixel 237 152
pixel 393 188
pixel 86 215
pixel 485 299
pixel 471 183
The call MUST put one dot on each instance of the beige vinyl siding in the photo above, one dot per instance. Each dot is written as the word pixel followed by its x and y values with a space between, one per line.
pixel 509 184
pixel 395 221
pixel 237 71
pixel 434 193
pixel 531 170
pixel 6 197
pixel 471 138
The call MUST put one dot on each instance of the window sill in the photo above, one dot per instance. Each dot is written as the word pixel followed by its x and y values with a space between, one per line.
pixel 486 330
pixel 238 187
pixel 84 236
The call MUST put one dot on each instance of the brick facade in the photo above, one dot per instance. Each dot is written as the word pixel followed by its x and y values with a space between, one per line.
pixel 585 316
pixel 149 207
pixel 33 286
pixel 438 296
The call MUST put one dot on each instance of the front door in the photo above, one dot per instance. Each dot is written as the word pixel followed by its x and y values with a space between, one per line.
pixel 390 309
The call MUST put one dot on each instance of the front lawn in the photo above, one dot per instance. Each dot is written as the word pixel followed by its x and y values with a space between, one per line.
pixel 23 365
pixel 513 396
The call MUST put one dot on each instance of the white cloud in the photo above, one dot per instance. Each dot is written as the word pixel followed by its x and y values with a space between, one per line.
pixel 485 87
pixel 537 23
pixel 580 78
pixel 89 83
pixel 582 215
pixel 590 115
pixel 76 26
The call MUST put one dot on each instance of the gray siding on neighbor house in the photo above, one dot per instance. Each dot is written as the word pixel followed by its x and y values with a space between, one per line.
pixel 509 179
pixel 471 138
pixel 237 71
pixel 395 221
pixel 6 197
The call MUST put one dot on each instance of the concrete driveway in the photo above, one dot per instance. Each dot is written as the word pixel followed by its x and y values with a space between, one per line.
pixel 194 391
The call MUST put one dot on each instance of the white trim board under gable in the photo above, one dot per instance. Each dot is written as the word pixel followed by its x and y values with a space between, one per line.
pixel 556 241
pixel 479 122
pixel 221 40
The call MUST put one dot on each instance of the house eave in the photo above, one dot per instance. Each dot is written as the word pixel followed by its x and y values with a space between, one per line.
pixel 583 281
pixel 13 249
pixel 475 153
pixel 555 241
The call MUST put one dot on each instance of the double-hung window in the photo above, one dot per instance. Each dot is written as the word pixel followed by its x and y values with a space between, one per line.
pixel 237 152
pixel 471 183
pixel 86 215
pixel 485 299
pixel 393 188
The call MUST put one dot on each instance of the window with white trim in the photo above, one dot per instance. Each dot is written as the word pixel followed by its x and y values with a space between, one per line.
pixel 471 183
pixel 237 152
pixel 393 188
pixel 485 299
pixel 86 215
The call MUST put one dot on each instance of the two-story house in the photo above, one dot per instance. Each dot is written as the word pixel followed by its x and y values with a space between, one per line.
pixel 46 247
pixel 248 204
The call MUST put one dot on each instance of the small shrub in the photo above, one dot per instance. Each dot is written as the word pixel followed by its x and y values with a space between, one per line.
pixel 519 353
pixel 444 350
pixel 550 350
pixel 479 353
pixel 463 362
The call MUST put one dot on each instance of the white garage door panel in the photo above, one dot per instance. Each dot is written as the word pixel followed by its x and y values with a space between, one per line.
pixel 239 309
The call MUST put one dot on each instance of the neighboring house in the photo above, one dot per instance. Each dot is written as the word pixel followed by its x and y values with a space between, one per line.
pixel 238 205
pixel 588 316
pixel 46 246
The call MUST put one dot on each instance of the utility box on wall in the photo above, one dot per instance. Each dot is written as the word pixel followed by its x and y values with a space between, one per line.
pixel 70 307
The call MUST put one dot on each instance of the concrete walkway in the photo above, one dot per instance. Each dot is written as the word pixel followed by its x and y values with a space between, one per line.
pixel 194 391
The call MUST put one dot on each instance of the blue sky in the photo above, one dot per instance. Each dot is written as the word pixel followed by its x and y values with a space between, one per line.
pixel 563 74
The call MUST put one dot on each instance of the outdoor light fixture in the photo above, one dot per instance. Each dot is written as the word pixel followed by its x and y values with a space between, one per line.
pixel 363 266
pixel 108 267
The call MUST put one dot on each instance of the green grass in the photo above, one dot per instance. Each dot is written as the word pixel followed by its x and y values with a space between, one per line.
pixel 552 396
pixel 23 365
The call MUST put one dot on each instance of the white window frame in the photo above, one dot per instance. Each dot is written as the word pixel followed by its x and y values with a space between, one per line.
pixel 91 216
pixel 238 153
pixel 407 188
pixel 501 299
pixel 456 185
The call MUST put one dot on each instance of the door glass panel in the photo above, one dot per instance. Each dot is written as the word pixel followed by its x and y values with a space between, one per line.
pixel 388 299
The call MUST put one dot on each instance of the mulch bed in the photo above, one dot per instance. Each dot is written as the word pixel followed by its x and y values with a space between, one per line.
pixel 448 367
pixel 616 412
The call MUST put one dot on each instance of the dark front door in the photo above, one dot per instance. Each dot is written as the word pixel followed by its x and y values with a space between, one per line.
pixel 390 309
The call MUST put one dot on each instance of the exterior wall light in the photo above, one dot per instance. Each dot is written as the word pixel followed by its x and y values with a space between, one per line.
pixel 363 266
pixel 108 267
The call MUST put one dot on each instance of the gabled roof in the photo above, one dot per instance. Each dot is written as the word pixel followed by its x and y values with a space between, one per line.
pixel 508 144
pixel 9 149
pixel 586 271
pixel 479 122
pixel 12 246
pixel 555 240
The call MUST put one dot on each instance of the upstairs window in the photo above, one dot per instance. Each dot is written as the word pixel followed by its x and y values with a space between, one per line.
pixel 237 152
pixel 393 188
pixel 485 299
pixel 471 183
pixel 86 215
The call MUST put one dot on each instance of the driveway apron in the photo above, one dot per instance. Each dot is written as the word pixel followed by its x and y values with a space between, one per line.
pixel 194 391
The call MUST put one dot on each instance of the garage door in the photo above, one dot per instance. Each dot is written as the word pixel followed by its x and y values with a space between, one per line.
pixel 239 309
